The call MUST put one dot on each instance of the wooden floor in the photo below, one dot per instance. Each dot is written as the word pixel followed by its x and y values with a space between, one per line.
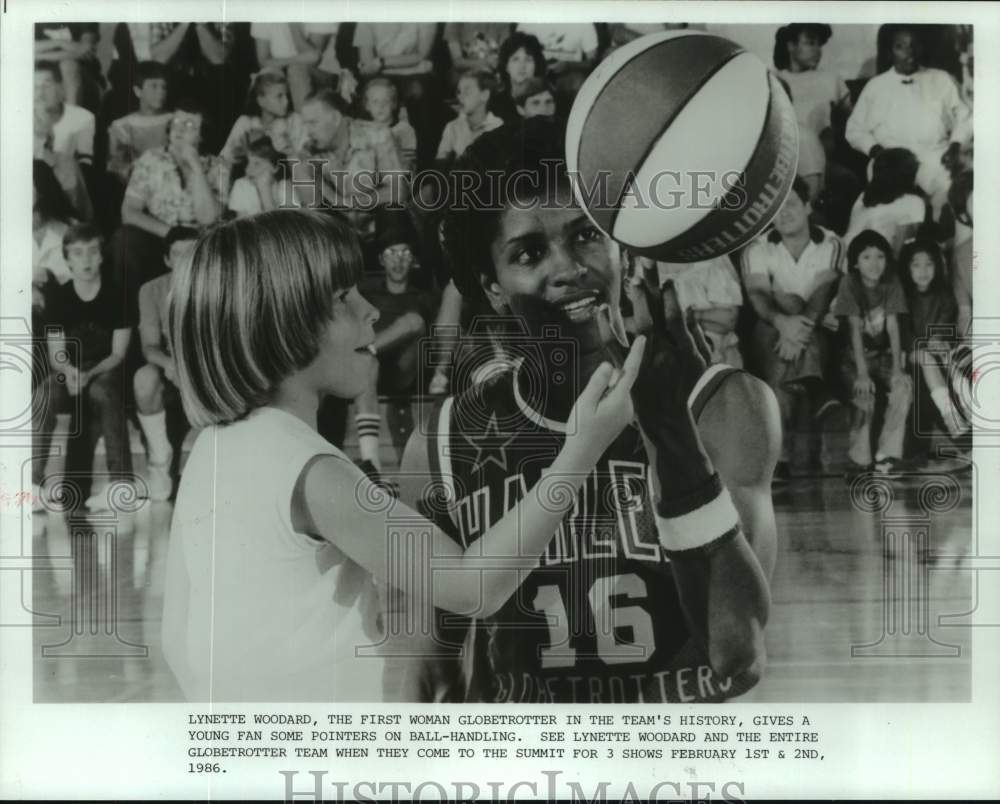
pixel 857 597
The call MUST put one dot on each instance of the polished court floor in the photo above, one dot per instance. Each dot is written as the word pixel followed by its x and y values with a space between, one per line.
pixel 864 575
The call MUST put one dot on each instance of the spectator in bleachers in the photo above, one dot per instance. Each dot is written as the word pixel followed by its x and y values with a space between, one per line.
pixel 267 112
pixel 357 154
pixel 294 48
pixel 521 59
pixel 129 137
pixel 381 102
pixel 535 99
pixel 474 118
pixel 88 323
pixel 405 315
pixel 712 289
pixel 394 48
pixel 172 186
pixel 960 202
pixel 815 93
pixel 915 107
pixel 891 204
pixel 263 186
pixel 403 52
pixel 931 305
pixel 73 46
pixel 871 300
pixel 51 215
pixel 568 46
pixel 791 275
pixel 812 157
pixel 72 126
pixel 155 383
pixel 475 45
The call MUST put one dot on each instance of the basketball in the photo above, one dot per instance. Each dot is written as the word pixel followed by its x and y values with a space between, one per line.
pixel 681 146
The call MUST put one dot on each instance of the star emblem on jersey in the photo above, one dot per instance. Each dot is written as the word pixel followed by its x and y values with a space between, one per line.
pixel 491 446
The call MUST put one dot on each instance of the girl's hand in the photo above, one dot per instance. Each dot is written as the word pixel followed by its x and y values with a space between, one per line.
pixel 604 407
pixel 864 392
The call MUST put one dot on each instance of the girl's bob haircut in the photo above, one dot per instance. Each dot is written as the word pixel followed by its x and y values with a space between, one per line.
pixel 251 305
pixel 866 239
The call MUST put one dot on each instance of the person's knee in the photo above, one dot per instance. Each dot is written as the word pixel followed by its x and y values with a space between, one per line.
pixel 147 384
pixel 103 390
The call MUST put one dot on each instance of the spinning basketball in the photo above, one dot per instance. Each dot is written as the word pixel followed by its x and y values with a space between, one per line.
pixel 682 146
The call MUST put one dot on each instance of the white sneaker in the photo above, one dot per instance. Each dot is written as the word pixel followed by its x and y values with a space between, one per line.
pixel 160 483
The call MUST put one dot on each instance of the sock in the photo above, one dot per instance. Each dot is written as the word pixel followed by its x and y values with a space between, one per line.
pixel 368 426
pixel 154 425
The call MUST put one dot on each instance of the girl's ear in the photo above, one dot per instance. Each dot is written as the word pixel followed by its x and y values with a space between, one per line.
pixel 495 295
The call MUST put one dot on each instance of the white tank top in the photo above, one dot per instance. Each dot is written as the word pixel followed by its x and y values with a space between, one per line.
pixel 253 610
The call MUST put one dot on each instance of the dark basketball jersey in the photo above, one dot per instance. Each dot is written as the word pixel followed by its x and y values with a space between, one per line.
pixel 599 619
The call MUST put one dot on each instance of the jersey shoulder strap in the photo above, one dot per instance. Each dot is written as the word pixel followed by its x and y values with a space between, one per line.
pixel 708 384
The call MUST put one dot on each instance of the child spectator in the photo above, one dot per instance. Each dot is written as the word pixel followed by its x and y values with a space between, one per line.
pixel 87 323
pixel 712 290
pixel 267 111
pixel 264 185
pixel 155 383
pixel 129 137
pixel 72 126
pixel 931 305
pixel 535 98
pixel 73 46
pixel 381 101
pixel 521 58
pixel 791 274
pixel 290 48
pixel 405 316
pixel 474 117
pixel 871 299
pixel 267 321
pixel 890 205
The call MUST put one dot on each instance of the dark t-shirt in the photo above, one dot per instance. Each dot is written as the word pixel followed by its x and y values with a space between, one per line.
pixel 934 308
pixel 392 306
pixel 88 326
pixel 872 305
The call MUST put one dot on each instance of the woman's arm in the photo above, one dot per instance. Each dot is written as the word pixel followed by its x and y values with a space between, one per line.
pixel 164 50
pixel 134 215
pixel 119 346
pixel 206 206
pixel 211 46
pixel 725 593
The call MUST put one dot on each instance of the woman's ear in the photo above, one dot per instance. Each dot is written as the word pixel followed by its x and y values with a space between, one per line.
pixel 495 295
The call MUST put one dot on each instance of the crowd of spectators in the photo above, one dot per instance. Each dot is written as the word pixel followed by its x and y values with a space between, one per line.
pixel 856 299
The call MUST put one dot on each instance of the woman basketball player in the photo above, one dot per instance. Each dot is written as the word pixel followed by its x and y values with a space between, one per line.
pixel 655 587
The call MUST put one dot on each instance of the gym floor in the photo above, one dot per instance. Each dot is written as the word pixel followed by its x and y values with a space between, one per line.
pixel 866 579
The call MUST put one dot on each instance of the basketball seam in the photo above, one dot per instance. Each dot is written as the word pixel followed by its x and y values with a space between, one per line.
pixel 669 121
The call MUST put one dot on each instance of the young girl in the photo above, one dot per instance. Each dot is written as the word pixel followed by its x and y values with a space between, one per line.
pixel 871 299
pixel 267 111
pixel 891 204
pixel 381 101
pixel 263 186
pixel 277 539
pixel 932 304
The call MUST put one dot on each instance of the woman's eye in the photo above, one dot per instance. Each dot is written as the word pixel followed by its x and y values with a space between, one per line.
pixel 527 257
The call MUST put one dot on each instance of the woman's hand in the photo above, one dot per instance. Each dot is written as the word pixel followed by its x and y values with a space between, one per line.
pixel 604 407
pixel 864 392
pixel 186 156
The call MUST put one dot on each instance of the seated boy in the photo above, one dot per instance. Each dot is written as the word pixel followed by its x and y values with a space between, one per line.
pixel 474 90
pixel 535 99
pixel 87 337
pixel 405 315
pixel 155 383
pixel 132 135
